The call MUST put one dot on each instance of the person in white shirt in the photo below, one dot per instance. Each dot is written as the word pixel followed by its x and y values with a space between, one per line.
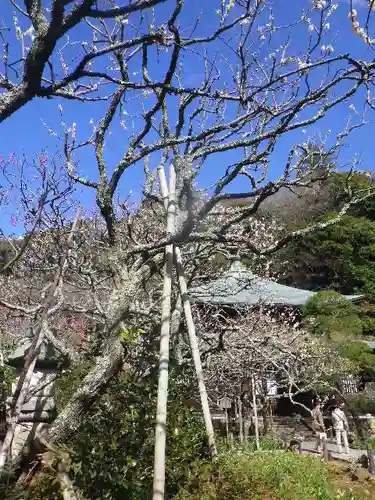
pixel 340 424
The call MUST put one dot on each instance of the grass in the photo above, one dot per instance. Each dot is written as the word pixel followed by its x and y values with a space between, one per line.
pixel 243 474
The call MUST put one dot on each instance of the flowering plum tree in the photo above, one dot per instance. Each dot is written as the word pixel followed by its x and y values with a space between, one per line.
pixel 256 344
pixel 230 97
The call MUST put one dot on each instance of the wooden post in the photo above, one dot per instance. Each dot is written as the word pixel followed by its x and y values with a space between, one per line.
pixel 371 460
pixel 162 398
pixel 194 346
pixel 271 406
pixel 226 423
pixel 240 419
pixel 235 417
pixel 325 449
pixel 300 447
pixel 256 423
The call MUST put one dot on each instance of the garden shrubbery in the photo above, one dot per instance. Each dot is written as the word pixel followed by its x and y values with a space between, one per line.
pixel 244 475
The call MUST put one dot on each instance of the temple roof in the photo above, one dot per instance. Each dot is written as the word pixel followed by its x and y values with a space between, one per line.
pixel 239 286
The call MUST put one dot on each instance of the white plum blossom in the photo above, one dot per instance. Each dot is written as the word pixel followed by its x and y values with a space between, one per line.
pixel 320 4
pixel 327 49
pixel 301 65
pixel 244 22
pixel 255 344
pixel 357 28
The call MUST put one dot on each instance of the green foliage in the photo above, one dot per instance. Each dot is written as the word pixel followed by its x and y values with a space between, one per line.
pixel 368 326
pixel 6 254
pixel 360 354
pixel 112 452
pixel 65 386
pixel 359 184
pixel 131 336
pixel 329 313
pixel 7 375
pixel 348 249
pixel 249 446
pixel 341 256
pixel 367 313
pixel 243 475
pixel 329 303
pixel 45 487
pixel 360 404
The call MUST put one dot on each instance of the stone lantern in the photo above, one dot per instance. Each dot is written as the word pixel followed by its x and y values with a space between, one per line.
pixel 39 408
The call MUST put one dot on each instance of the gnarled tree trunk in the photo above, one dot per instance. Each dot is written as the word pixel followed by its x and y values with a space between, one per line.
pixel 105 368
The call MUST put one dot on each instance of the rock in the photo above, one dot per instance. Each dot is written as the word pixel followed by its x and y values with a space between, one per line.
pixel 360 474
pixel 363 461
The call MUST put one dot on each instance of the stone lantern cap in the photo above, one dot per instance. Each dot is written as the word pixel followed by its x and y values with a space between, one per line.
pixel 48 358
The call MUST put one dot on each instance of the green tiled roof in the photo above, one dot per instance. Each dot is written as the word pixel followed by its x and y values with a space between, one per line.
pixel 239 286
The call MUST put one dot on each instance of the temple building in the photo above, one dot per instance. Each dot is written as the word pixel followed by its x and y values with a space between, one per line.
pixel 239 288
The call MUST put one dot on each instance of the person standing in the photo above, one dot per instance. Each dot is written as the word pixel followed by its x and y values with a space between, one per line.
pixel 318 426
pixel 340 424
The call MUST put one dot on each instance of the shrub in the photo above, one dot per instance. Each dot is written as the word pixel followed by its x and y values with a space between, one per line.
pixel 330 303
pixel 368 325
pixel 242 475
pixel 360 404
pixel 360 355
pixel 112 452
pixel 249 446
pixel 332 315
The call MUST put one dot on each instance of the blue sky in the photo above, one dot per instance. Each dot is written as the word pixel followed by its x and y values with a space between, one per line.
pixel 25 132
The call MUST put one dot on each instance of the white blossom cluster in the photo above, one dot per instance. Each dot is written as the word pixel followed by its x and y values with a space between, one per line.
pixel 263 345
pixel 360 31
pixel 263 231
